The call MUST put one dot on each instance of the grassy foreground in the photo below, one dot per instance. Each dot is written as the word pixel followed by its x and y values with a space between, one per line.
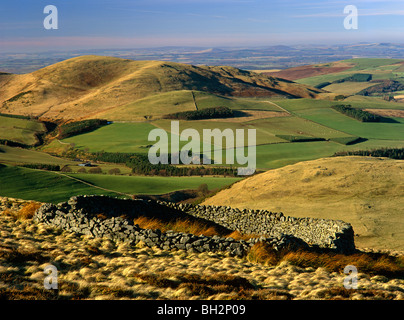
pixel 101 269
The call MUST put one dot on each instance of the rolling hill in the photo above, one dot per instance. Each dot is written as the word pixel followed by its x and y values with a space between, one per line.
pixel 366 192
pixel 89 86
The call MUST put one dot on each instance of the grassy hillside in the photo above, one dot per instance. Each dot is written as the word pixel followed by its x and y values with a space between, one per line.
pixel 22 131
pixel 366 192
pixel 41 186
pixel 89 86
pixel 52 187
pixel 153 185
pixel 13 156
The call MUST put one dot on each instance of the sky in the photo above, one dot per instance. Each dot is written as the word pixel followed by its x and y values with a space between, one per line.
pixel 112 24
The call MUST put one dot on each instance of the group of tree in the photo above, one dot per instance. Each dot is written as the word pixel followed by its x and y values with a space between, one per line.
pixel 17 116
pixel 209 113
pixel 357 114
pixel 385 86
pixel 393 153
pixel 41 166
pixel 140 164
pixel 357 77
pixel 74 128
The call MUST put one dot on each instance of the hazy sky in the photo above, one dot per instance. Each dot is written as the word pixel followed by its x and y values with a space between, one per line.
pixel 147 23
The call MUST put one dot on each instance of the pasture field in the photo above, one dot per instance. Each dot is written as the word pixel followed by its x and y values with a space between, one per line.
pixel 263 136
pixel 320 112
pixel 41 186
pixel 20 130
pixel 274 156
pixel 381 69
pixel 116 137
pixel 55 187
pixel 348 88
pixel 296 126
pixel 206 100
pixel 309 118
pixel 368 130
pixel 373 64
pixel 153 106
pixel 10 155
pixel 153 185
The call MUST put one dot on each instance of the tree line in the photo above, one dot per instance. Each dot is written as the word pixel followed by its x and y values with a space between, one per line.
pixel 392 153
pixel 74 128
pixel 357 114
pixel 140 164
pixel 209 113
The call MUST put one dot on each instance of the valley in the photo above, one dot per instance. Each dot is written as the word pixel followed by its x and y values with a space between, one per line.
pixel 292 116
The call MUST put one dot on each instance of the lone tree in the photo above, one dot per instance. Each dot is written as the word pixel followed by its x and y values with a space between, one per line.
pixel 203 189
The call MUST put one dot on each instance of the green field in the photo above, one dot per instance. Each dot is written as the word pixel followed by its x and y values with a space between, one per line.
pixel 263 136
pixel 368 130
pixel 42 186
pixel 206 100
pixel 11 155
pixel 296 126
pixel 310 118
pixel 52 187
pixel 380 69
pixel 116 137
pixel 154 106
pixel 153 185
pixel 20 130
pixel 319 112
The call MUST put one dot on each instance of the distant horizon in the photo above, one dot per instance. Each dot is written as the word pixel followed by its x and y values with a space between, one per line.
pixel 196 47
pixel 106 24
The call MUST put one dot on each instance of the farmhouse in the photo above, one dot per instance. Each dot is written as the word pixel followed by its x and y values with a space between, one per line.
pixel 85 164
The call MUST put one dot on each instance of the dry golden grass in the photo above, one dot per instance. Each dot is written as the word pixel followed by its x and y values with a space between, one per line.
pixel 97 268
pixel 390 113
pixel 370 263
pixel 365 192
pixel 180 225
pixel 195 227
pixel 26 211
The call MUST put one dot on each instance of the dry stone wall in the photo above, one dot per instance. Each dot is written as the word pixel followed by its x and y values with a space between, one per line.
pixel 101 216
pixel 322 233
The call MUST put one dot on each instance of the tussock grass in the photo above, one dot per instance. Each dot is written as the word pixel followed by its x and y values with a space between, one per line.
pixel 369 263
pixel 195 227
pixel 28 210
pixel 17 255
pixel 179 225
pixel 219 285
pixel 91 268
